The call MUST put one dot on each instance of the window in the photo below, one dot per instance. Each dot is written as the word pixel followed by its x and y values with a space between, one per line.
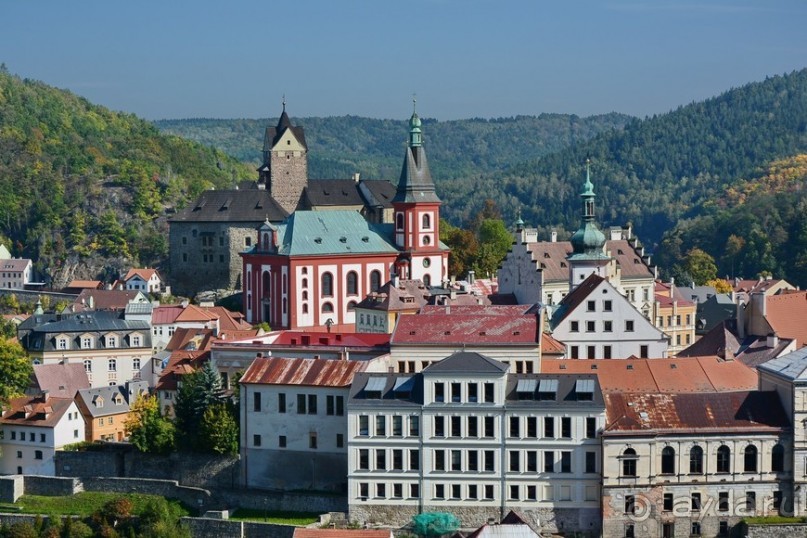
pixel 327 285
pixel 88 365
pixel 489 393
pixel 566 427
pixel 590 326
pixel 414 425
pixel 312 440
pixel 667 505
pixel 490 461
pixel 340 440
pixel 489 426
pixel 629 462
pixel 723 501
pixel 456 426
pixel 606 352
pixel 630 504
pixel 778 458
pixel 439 392
pixel 629 531
pixel 473 392
pixel 136 363
pixel 472 491
pixel 513 493
pixel 668 460
pixel 380 425
pixel 750 459
pixel 86 342
pixel 532 461
pixel 696 460
pixel 364 490
pixel 695 502
pixel 574 326
pixel 668 530
pixel 723 459
pixel 375 280
pixel 549 461
pixel 426 221
pixel 629 325
pixel 439 460
pixel 574 352
pixel 606 306
pixel 281 403
pixel 608 326
pixel 397 426
pixel 414 459
pixel 381 490
pixel 591 462
pixel 456 460
pixel 352 283
pixel 13 435
pixel 301 404
pixel 566 462
pixel 591 306
pixel 488 492
pixel 695 529
pixel 532 427
pixel 37 454
pixel 750 501
pixel 364 459
pixel 439 426
pixel 549 427
pixel 256 402
pixel 312 404
pixel 327 307
pixel 136 340
pixel 381 460
pixel 414 491
pixel 514 427
pixel 591 352
pixel 456 392
pixel 399 221
pixel 723 528
pixel 777 500
pixel 112 365
pixel 19 454
pixel 397 491
pixel 644 351
pixel 514 461
pixel 256 440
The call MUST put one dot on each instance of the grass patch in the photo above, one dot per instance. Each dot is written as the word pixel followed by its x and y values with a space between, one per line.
pixel 85 503
pixel 773 520
pixel 298 519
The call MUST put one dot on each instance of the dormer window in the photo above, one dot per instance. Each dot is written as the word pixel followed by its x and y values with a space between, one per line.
pixel 86 342
pixel 136 340
pixel 62 342
pixel 111 341
pixel 547 389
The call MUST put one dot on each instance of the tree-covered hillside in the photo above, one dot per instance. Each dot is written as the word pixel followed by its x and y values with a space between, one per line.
pixel 341 146
pixel 81 185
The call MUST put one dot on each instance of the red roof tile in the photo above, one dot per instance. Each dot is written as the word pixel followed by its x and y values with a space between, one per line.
pixel 476 325
pixel 315 338
pixel 786 313
pixel 40 413
pixel 145 274
pixel 309 372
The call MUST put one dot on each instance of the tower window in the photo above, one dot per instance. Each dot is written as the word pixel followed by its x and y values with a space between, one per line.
pixel 399 221
pixel 426 222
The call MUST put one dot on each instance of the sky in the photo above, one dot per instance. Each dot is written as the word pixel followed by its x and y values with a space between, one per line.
pixel 168 59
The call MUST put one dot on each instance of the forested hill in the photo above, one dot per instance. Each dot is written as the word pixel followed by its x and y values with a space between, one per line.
pixel 341 146
pixel 80 183
pixel 661 169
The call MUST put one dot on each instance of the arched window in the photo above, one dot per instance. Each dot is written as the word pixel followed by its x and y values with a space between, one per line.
pixel 352 283
pixel 750 459
pixel 375 280
pixel 327 285
pixel 696 460
pixel 427 280
pixel 629 462
pixel 426 221
pixel 778 459
pixel 265 241
pixel 249 280
pixel 305 309
pixel 327 307
pixel 305 283
pixel 305 295
pixel 668 460
pixel 723 459
pixel 351 306
pixel 399 221
pixel 266 285
pixel 285 304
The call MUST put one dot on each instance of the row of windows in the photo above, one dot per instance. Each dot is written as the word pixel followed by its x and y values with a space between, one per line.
pixel 170 331
pixel 668 529
pixel 463 392
pixel 313 443
pixel 397 423
pixel 515 492
pixel 207 240
pixel 112 365
pixel 410 367
pixel 88 342
pixel 722 460
pixel 31 436
pixel 518 427
pixel 607 326
pixel 425 221
pixel 677 318
pixel 307 404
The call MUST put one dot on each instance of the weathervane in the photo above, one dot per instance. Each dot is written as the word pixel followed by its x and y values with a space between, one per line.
pixel 284 102
pixel 414 103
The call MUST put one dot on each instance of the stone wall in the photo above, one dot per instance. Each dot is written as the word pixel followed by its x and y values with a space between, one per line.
pixel 222 528
pixel 296 469
pixel 198 498
pixel 198 470
pixel 50 485
pixel 11 488
pixel 274 500
pixel 775 531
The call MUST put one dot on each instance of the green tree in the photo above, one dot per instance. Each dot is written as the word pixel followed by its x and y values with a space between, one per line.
pixel 199 391
pixel 15 369
pixel 218 431
pixel 148 430
pixel 700 266
pixel 494 242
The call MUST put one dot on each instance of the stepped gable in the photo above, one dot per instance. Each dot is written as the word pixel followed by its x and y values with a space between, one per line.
pixel 721 412
pixel 551 257
pixel 307 372
pixel 469 324
pixel 231 206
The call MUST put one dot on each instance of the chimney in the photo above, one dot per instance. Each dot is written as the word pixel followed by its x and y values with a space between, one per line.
pixel 45 395
pixel 554 236
pixel 773 340
pixel 471 277
pixel 91 302
pixel 357 177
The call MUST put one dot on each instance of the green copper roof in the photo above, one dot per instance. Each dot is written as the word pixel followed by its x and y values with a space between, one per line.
pixel 588 241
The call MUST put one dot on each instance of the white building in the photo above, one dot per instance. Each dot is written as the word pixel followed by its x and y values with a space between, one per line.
pixel 294 423
pixel 465 437
pixel 34 428
pixel 595 321
pixel 145 280
pixel 16 273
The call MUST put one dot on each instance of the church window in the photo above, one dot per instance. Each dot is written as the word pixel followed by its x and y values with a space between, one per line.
pixel 247 241
pixel 305 309
pixel 285 304
pixel 266 285
pixel 352 283
pixel 399 221
pixel 427 240
pixel 327 307
pixel 305 282
pixel 375 280
pixel 305 295
pixel 426 262
pixel 427 280
pixel 327 285
pixel 426 221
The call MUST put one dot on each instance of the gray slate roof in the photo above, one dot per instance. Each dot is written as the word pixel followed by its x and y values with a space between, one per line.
pixel 126 395
pixel 254 205
pixel 792 366
pixel 43 329
pixel 466 362
pixel 415 184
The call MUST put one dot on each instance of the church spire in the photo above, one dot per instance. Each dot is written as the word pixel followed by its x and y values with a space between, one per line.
pixel 415 183
pixel 415 133
pixel 588 240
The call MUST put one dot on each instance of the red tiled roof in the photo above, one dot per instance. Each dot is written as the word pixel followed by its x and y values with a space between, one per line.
pixel 718 412
pixel 40 413
pixel 786 314
pixel 145 274
pixel 309 372
pixel 201 339
pixel 61 380
pixel 296 338
pixel 180 363
pixel 696 374
pixel 106 299
pixel 194 313
pixel 229 321
pixel 469 324
pixel 550 346
pixel 85 284
pixel 551 258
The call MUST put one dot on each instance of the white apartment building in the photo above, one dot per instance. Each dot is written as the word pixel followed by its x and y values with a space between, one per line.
pixel 466 437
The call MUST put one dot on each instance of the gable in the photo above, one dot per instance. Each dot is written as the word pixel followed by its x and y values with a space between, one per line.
pixel 288 142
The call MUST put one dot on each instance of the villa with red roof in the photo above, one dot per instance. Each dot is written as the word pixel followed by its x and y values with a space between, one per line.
pixel 675 315
pixel 145 280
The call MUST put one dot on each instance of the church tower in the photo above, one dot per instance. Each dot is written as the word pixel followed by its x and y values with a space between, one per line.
pixel 417 215
pixel 284 171
pixel 588 243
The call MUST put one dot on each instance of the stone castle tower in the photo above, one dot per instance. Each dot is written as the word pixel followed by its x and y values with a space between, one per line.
pixel 284 172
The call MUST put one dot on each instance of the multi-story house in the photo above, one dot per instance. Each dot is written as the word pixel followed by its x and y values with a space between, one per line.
pixel 34 428
pixel 511 334
pixel 595 321
pixel 466 437
pixel 294 423
pixel 380 310
pixel 15 273
pixel 546 271
pixel 145 280
pixel 675 315
pixel 112 349
pixel 105 409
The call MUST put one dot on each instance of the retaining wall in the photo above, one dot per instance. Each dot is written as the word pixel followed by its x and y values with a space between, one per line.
pixel 776 531
pixel 222 528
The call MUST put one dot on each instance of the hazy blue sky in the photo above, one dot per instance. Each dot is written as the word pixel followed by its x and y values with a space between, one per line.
pixel 463 58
